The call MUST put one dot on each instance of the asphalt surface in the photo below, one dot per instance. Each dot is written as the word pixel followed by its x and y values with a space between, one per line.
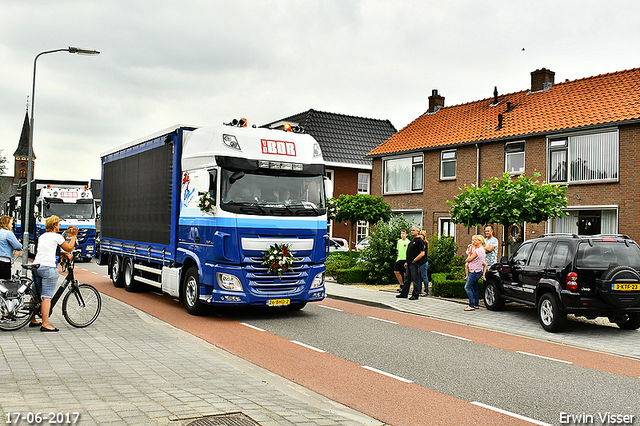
pixel 132 368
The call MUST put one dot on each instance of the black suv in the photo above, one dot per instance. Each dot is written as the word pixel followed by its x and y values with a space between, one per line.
pixel 590 276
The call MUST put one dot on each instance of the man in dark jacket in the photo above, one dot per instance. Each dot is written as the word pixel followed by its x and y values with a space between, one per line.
pixel 416 256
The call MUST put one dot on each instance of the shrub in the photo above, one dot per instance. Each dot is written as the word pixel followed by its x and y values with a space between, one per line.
pixel 380 257
pixel 352 275
pixel 340 260
pixel 441 253
pixel 449 285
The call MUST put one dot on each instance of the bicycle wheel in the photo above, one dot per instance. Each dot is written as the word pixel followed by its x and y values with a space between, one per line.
pixel 20 316
pixel 81 307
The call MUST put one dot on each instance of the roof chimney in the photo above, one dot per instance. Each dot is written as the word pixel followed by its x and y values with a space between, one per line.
pixel 542 79
pixel 435 101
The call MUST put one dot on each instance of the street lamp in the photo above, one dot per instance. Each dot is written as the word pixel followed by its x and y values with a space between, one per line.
pixel 27 207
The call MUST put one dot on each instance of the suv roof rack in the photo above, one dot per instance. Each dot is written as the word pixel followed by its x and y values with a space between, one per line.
pixel 559 234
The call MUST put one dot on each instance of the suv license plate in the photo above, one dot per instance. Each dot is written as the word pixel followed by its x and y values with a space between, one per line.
pixel 278 302
pixel 625 287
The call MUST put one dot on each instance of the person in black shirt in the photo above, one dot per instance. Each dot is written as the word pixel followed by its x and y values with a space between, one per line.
pixel 416 256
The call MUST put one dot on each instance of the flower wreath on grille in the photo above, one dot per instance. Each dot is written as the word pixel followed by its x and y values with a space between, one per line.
pixel 278 258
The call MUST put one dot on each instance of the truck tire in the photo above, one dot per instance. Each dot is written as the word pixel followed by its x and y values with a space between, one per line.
pixel 127 276
pixel 116 271
pixel 191 292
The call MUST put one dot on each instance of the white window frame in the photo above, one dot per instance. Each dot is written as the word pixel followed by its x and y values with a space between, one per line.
pixel 450 159
pixel 449 224
pixel 511 151
pixel 573 210
pixel 568 146
pixel 366 190
pixel 414 163
pixel 362 230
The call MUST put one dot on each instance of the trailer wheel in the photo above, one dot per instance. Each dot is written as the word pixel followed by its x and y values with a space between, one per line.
pixel 127 275
pixel 116 271
pixel 191 292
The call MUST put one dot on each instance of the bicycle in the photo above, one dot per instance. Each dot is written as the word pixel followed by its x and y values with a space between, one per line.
pixel 20 300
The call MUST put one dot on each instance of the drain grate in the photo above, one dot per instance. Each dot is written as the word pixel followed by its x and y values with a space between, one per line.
pixel 230 419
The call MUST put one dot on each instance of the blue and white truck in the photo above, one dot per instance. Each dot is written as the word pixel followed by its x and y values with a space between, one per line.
pixel 72 201
pixel 194 212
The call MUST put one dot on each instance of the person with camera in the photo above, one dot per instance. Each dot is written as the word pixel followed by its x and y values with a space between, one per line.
pixel 46 276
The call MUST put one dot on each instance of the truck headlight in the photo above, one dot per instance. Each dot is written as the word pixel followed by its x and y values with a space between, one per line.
pixel 229 282
pixel 318 281
pixel 89 248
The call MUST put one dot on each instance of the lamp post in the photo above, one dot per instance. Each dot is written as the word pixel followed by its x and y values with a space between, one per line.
pixel 27 207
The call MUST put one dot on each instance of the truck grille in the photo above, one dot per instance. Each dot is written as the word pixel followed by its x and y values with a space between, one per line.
pixel 262 282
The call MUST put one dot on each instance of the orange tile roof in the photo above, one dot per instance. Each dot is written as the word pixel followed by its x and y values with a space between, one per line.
pixel 607 98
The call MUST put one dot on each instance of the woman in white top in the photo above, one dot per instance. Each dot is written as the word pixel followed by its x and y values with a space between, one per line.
pixel 47 273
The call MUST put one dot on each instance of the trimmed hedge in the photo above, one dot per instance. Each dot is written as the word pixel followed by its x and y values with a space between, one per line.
pixel 448 285
pixel 352 275
pixel 340 260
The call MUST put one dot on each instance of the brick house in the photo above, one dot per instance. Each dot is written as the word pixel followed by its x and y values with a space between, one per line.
pixel 584 133
pixel 345 140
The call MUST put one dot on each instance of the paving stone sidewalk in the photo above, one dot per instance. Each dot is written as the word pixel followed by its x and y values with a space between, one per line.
pixel 129 368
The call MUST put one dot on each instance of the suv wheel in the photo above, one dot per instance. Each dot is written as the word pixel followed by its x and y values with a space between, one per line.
pixel 551 317
pixel 492 299
pixel 628 322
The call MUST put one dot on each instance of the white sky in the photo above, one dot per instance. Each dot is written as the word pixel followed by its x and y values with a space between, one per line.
pixel 207 62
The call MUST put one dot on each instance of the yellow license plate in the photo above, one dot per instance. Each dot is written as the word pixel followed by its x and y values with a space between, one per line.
pixel 625 287
pixel 278 302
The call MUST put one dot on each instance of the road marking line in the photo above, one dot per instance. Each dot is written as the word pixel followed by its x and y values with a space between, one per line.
pixel 545 357
pixel 384 320
pixel 251 326
pixel 307 346
pixel 509 413
pixel 329 307
pixel 393 376
pixel 451 335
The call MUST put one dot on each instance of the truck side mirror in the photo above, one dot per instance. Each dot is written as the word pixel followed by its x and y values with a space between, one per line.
pixel 504 259
pixel 236 177
pixel 328 188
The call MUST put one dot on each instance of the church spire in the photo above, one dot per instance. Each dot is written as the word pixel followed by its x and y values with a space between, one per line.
pixel 22 154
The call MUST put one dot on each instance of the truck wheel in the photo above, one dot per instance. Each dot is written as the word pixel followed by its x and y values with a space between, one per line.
pixel 492 299
pixel 191 292
pixel 116 271
pixel 127 275
pixel 629 322
pixel 551 317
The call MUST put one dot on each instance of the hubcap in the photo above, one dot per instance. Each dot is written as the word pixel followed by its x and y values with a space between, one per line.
pixel 191 291
pixel 546 312
pixel 490 297
pixel 115 270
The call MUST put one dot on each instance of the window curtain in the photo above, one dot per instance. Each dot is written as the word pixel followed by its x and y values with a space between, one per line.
pixel 594 157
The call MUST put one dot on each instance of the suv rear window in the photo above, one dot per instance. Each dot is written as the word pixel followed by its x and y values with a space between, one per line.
pixel 606 254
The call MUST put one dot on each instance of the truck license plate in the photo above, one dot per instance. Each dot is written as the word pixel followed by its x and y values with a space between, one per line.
pixel 625 287
pixel 278 302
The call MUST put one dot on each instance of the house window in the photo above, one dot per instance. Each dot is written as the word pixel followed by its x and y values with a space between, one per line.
pixel 586 222
pixel 514 157
pixel 448 164
pixel 363 183
pixel 362 230
pixel 446 228
pixel 403 174
pixel 584 158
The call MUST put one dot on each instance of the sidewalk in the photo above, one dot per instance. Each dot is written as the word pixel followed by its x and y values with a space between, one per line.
pixel 129 368
pixel 514 319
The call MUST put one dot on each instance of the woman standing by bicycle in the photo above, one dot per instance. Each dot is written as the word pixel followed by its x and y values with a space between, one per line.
pixel 46 275
pixel 8 244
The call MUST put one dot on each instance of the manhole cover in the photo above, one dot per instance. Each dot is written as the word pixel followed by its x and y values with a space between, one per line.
pixel 232 419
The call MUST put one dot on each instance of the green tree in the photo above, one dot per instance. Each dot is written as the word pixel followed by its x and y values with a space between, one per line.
pixel 509 201
pixel 354 208
pixel 380 257
pixel 3 164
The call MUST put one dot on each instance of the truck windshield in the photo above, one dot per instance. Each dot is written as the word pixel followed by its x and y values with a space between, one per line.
pixel 69 210
pixel 262 194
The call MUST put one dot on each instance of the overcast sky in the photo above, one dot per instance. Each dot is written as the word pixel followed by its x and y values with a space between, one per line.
pixel 207 62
